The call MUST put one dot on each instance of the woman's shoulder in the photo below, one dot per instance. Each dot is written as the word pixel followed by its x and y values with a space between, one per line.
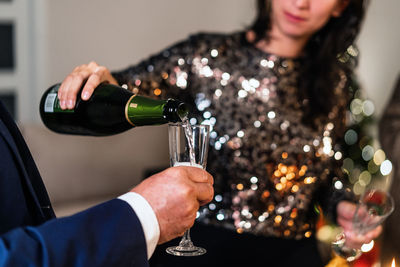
pixel 207 40
pixel 216 36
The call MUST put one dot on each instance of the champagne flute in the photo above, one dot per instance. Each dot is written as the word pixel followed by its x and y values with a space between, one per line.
pixel 188 146
pixel 372 209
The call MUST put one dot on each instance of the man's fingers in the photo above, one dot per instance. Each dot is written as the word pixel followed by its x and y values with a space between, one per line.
pixel 198 175
pixel 204 192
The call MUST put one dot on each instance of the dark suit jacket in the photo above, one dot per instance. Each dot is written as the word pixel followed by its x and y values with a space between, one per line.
pixel 109 234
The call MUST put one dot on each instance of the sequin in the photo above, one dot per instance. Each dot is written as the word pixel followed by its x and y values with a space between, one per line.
pixel 220 217
pixel 266 162
pixel 278 219
pixel 253 180
pixel 218 198
pixel 218 92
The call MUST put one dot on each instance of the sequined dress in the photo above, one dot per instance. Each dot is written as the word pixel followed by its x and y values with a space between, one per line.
pixel 271 169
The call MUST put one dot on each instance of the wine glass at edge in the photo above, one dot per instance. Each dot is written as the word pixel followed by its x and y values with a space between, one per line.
pixel 372 209
pixel 188 146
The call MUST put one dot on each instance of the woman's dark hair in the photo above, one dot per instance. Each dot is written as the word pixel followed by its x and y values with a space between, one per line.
pixel 326 53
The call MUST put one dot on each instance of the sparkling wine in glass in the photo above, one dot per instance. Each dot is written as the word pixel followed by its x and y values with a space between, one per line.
pixel 372 209
pixel 188 146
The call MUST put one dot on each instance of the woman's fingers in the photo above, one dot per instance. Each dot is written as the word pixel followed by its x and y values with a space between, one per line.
pixel 89 76
pixel 346 224
pixel 62 92
pixel 354 240
pixel 97 77
pixel 346 210
pixel 345 214
pixel 72 84
pixel 373 233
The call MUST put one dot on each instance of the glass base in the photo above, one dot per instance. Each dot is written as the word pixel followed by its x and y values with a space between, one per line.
pixel 340 249
pixel 186 251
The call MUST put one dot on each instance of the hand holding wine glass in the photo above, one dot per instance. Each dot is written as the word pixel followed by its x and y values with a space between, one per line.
pixel 184 189
pixel 188 146
pixel 345 215
pixel 361 222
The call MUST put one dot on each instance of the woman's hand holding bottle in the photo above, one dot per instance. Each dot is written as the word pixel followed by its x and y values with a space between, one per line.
pixel 90 75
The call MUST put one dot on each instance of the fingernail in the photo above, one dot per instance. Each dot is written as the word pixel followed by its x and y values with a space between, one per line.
pixel 348 234
pixel 70 104
pixel 85 95
pixel 62 104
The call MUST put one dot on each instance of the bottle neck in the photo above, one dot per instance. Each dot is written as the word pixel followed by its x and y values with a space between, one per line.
pixel 175 110
pixel 141 110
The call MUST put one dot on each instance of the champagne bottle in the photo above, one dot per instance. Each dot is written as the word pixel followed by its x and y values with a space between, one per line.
pixel 110 110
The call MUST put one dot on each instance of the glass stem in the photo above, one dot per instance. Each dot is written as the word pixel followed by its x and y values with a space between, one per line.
pixel 186 241
pixel 187 235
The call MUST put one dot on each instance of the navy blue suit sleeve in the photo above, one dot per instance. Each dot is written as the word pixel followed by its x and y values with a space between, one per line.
pixel 109 234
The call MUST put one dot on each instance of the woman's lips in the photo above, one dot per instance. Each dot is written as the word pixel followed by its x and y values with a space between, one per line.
pixel 293 18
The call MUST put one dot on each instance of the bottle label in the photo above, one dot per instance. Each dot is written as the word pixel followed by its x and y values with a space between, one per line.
pixel 52 104
pixel 49 103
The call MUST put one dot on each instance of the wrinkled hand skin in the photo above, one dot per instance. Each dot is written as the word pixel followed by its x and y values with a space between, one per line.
pixel 175 196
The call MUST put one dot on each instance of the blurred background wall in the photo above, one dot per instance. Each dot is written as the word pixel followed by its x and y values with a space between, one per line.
pixel 51 37
pixel 379 44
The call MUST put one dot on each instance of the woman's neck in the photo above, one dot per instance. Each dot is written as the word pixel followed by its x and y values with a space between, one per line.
pixel 280 45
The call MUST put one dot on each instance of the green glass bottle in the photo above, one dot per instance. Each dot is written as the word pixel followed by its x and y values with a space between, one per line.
pixel 110 110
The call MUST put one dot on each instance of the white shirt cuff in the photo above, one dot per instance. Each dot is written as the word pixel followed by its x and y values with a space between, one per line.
pixel 147 218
